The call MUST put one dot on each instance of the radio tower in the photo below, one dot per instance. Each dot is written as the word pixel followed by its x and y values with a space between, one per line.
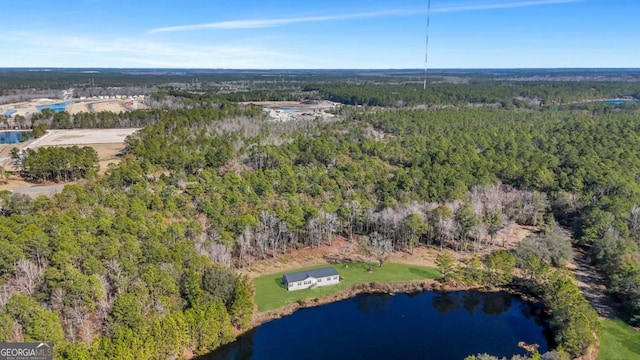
pixel 426 48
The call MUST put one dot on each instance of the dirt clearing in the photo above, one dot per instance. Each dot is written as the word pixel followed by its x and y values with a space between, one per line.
pixel 506 239
pixel 108 143
pixel 81 137
pixel 25 108
pixel 297 110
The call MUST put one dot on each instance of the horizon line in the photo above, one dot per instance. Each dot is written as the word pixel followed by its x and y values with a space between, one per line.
pixel 53 68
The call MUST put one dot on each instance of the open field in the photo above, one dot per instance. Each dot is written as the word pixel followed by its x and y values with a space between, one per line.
pixel 108 143
pixel 271 294
pixel 619 341
pixel 81 137
pixel 107 154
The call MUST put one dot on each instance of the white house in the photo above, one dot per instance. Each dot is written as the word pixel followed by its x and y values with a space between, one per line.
pixel 311 278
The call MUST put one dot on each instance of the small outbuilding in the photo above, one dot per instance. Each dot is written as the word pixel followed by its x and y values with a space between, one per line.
pixel 311 278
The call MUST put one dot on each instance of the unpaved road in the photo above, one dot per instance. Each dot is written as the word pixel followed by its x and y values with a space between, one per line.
pixel 592 285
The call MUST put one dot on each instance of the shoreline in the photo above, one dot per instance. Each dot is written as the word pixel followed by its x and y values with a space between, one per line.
pixel 422 258
pixel 403 287
pixel 261 318
pixel 407 287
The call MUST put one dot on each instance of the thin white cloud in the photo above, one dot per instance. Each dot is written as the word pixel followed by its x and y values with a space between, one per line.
pixel 267 23
pixel 512 5
pixel 117 52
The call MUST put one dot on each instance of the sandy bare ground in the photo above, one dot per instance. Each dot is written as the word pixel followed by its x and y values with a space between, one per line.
pixel 81 137
pixel 111 105
pixel 295 110
pixel 108 143
pixel 592 284
pixel 28 107
pixel 78 108
pixel 89 105
pixel 107 154
pixel 17 185
pixel 40 190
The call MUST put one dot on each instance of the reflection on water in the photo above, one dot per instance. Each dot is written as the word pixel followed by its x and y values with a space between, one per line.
pixel 491 303
pixel 374 303
pixel 427 325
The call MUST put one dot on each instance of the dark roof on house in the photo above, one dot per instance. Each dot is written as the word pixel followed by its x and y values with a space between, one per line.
pixel 316 273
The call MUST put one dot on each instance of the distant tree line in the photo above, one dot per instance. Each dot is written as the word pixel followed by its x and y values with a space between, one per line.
pixel 502 93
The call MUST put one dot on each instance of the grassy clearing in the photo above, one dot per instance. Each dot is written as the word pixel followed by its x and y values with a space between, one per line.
pixel 619 341
pixel 271 294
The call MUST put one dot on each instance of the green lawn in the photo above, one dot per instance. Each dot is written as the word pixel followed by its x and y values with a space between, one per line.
pixel 619 341
pixel 271 294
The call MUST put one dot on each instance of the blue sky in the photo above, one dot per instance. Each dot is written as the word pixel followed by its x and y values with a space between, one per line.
pixel 281 34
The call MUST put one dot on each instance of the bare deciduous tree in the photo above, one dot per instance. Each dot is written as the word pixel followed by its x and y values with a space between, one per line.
pixel 446 230
pixel 526 207
pixel 271 233
pixel 244 246
pixel 479 232
pixel 26 277
pixel 314 231
pixel 117 278
pixel 5 294
pixel 104 304
pixel 331 225
pixel 73 319
pixel 353 211
pixel 206 245
pixel 378 247
pixel 283 234
pixel 507 232
pixel 57 299
pixel 634 222
pixel 219 254
pixel 262 241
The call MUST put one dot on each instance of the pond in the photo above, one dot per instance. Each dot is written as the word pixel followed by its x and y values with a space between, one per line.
pixel 289 111
pixel 433 325
pixel 619 101
pixel 13 137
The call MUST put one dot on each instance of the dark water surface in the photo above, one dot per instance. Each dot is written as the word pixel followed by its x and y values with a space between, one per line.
pixel 427 325
pixel 620 101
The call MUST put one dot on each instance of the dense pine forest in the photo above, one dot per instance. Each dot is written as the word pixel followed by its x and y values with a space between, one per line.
pixel 141 262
